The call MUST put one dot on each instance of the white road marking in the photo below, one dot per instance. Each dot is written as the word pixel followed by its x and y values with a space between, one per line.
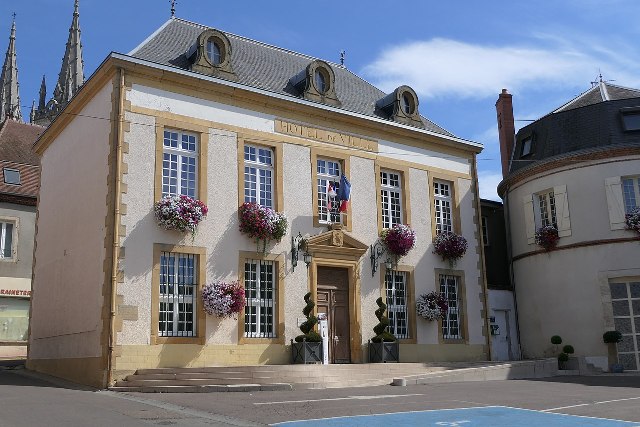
pixel 588 404
pixel 386 396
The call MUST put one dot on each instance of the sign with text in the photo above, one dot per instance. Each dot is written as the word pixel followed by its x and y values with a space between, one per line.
pixel 324 135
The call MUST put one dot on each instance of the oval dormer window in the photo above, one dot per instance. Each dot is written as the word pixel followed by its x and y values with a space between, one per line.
pixel 214 53
pixel 320 80
pixel 407 104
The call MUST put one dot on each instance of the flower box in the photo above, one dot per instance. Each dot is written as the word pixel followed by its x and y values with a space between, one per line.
pixel 632 220
pixel 398 240
pixel 432 306
pixel 450 246
pixel 262 223
pixel 384 352
pixel 223 299
pixel 180 213
pixel 547 237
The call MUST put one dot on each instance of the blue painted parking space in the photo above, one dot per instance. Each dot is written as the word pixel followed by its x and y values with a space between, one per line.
pixel 493 416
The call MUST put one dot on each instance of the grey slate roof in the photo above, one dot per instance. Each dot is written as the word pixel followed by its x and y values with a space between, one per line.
pixel 601 92
pixel 262 66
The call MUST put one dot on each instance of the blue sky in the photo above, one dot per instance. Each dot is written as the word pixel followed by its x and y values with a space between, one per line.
pixel 457 55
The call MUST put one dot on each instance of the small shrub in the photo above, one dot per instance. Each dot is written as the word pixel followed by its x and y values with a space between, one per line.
pixel 568 349
pixel 612 337
pixel 381 328
pixel 556 340
pixel 308 334
pixel 563 357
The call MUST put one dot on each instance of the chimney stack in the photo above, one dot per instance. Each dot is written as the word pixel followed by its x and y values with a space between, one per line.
pixel 506 129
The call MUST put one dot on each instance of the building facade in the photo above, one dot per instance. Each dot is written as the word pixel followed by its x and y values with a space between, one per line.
pixel 577 170
pixel 229 120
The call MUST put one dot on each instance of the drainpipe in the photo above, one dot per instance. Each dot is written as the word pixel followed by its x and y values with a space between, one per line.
pixel 507 220
pixel 116 226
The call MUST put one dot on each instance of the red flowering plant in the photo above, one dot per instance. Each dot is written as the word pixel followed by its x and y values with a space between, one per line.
pixel 180 213
pixel 632 219
pixel 432 306
pixel 547 237
pixel 223 299
pixel 262 223
pixel 450 246
pixel 398 240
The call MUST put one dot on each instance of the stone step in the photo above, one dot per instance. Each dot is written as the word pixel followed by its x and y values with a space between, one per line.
pixel 203 389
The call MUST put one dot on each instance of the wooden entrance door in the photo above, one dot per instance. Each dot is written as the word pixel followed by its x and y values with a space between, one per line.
pixel 333 299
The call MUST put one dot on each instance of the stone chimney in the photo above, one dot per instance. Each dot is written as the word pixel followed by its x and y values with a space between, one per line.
pixel 506 129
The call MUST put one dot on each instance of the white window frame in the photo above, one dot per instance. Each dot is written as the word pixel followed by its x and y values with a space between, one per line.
pixel 630 192
pixel 485 230
pixel 259 190
pixel 323 180
pixel 634 334
pixel 396 293
pixel 255 304
pixel 3 238
pixel 443 209
pixel 180 290
pixel 453 318
pixel 179 155
pixel 391 198
pixel 545 209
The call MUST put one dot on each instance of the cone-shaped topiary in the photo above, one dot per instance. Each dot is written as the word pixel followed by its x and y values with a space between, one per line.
pixel 308 334
pixel 381 328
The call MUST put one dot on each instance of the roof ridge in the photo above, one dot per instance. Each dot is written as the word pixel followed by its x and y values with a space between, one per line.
pixel 271 46
pixel 622 87
pixel 151 36
pixel 563 106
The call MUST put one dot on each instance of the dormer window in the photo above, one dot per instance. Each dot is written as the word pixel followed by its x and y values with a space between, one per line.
pixel 630 118
pixel 527 146
pixel 211 55
pixel 316 83
pixel 401 106
pixel 11 176
pixel 321 81
pixel 213 52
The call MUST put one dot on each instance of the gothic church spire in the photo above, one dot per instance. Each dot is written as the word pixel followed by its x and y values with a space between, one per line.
pixel 9 93
pixel 71 75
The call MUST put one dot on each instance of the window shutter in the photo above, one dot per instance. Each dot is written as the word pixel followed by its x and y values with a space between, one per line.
pixel 529 223
pixel 615 202
pixel 562 210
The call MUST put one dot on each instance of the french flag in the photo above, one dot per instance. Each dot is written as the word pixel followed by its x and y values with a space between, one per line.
pixel 344 193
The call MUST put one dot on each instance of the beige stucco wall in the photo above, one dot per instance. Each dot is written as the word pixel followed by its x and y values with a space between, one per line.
pixel 219 234
pixel 25 218
pixel 67 296
pixel 565 292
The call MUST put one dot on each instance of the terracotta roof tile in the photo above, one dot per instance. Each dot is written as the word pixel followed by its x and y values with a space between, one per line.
pixel 29 179
pixel 16 142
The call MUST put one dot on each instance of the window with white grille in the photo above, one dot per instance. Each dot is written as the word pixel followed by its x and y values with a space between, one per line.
pixel 391 198
pixel 178 294
pixel 180 164
pixel 625 301
pixel 631 193
pixel 328 173
pixel 260 293
pixel 258 175
pixel 6 240
pixel 452 322
pixel 443 208
pixel 395 284
pixel 546 211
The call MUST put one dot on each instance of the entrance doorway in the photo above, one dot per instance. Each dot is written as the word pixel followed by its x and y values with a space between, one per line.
pixel 333 299
pixel 501 342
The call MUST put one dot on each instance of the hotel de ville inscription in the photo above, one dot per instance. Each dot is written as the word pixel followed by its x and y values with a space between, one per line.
pixel 324 135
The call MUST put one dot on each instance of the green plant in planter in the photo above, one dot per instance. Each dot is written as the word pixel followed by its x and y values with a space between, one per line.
pixel 307 327
pixel 563 357
pixel 612 337
pixel 568 349
pixel 382 335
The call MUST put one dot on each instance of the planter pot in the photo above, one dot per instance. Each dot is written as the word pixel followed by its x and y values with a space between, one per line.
pixel 306 352
pixel 383 352
pixel 616 368
pixel 570 365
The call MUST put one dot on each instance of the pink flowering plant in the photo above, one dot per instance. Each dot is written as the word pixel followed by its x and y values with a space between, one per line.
pixel 262 223
pixel 432 306
pixel 547 237
pixel 632 219
pixel 223 299
pixel 398 240
pixel 180 213
pixel 450 246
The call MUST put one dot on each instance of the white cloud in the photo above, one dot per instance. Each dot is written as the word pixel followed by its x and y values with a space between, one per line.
pixel 488 184
pixel 441 66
